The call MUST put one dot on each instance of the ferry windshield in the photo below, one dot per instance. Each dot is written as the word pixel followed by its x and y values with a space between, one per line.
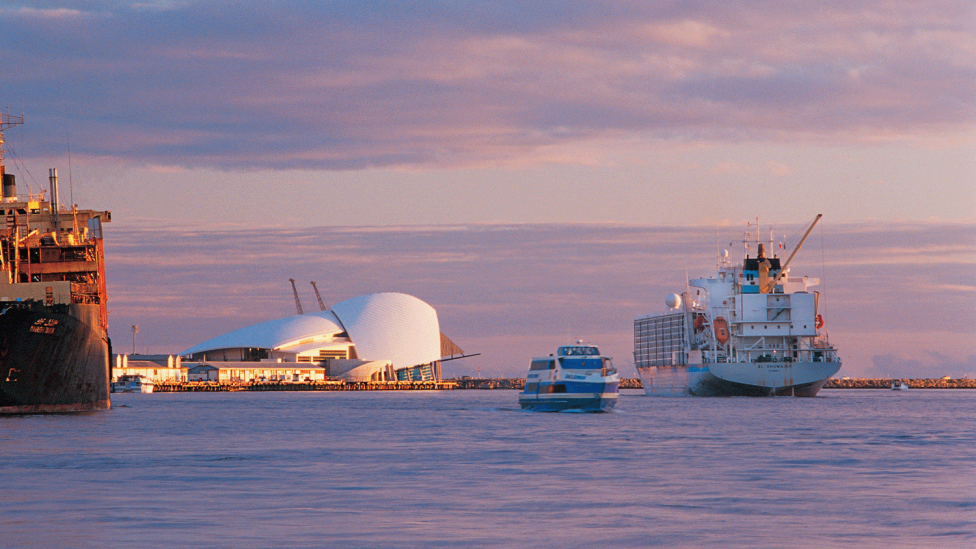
pixel 578 351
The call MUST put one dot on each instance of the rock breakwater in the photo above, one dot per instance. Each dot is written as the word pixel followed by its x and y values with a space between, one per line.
pixel 886 383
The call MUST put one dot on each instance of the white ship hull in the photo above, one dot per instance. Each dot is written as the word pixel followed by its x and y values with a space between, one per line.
pixel 796 379
pixel 672 380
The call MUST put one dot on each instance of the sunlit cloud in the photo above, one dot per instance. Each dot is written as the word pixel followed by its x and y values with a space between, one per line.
pixel 279 85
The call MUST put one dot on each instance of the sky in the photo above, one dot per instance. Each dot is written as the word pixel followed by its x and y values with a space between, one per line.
pixel 336 139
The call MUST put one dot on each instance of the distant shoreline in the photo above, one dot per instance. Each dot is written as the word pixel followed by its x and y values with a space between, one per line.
pixel 635 383
pixel 505 383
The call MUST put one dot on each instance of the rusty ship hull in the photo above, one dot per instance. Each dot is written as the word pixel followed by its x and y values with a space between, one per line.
pixel 53 359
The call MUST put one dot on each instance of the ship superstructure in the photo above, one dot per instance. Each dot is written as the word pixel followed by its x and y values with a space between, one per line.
pixel 750 330
pixel 54 346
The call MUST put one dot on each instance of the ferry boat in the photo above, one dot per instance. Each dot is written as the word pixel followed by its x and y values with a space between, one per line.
pixel 132 384
pixel 577 378
pixel 752 330
pixel 54 345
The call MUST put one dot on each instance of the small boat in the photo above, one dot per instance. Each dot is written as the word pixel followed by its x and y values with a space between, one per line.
pixel 132 384
pixel 577 378
pixel 899 386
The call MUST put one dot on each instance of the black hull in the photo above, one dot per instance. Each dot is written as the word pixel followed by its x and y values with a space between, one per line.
pixel 53 360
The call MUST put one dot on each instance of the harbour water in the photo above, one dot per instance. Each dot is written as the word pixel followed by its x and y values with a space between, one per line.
pixel 850 468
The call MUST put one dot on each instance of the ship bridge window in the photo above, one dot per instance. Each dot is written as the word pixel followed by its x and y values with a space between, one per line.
pixel 578 351
pixel 542 365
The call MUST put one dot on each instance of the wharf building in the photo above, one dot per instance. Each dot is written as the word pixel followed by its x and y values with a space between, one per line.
pixel 376 337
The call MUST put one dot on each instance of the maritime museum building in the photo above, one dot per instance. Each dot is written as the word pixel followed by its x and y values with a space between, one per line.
pixel 376 337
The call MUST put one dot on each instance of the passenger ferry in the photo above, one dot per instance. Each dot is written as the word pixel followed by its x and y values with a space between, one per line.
pixel 578 378
pixel 132 384
pixel 753 330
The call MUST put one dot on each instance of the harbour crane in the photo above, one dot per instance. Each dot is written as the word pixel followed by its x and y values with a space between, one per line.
pixel 319 296
pixel 298 303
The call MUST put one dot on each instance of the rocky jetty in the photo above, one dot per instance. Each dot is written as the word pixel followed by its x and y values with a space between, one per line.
pixel 886 383
pixel 519 383
pixel 489 383
pixel 846 383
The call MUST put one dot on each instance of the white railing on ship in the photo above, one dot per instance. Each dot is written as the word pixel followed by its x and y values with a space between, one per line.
pixel 827 355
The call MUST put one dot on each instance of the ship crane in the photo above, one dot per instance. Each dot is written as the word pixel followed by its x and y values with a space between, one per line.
pixel 783 269
pixel 319 296
pixel 298 303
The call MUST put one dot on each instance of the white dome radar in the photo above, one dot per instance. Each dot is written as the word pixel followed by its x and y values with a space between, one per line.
pixel 673 301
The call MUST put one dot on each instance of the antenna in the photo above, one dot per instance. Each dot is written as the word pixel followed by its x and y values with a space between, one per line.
pixel 298 304
pixel 319 296
pixel 8 121
pixel 71 183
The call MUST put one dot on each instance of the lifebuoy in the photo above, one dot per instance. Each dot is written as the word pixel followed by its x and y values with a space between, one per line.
pixel 819 322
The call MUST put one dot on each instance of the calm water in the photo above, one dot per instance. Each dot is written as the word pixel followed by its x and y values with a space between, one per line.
pixel 467 469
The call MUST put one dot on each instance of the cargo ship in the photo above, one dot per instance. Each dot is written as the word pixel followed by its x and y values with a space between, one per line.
pixel 54 345
pixel 752 330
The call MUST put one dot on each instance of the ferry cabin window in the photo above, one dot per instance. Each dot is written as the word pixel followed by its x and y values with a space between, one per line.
pixel 582 363
pixel 574 351
pixel 541 365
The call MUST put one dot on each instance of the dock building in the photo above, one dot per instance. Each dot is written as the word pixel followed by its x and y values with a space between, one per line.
pixel 158 368
pixel 376 337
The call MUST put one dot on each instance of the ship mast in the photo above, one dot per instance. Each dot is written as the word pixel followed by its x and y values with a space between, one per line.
pixel 6 121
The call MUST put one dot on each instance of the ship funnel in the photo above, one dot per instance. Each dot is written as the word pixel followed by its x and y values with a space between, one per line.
pixel 9 187
pixel 52 175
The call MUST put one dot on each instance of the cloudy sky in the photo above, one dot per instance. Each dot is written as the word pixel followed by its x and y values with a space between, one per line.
pixel 332 136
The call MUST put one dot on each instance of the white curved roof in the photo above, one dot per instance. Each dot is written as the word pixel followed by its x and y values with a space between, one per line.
pixel 384 326
pixel 274 334
pixel 391 326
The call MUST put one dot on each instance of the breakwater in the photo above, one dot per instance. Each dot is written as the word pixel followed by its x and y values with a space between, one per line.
pixel 504 383
pixel 886 383
pixel 212 386
pixel 519 383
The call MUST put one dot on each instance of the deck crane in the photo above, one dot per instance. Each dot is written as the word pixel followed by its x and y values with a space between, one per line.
pixel 319 296
pixel 298 304
pixel 783 270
